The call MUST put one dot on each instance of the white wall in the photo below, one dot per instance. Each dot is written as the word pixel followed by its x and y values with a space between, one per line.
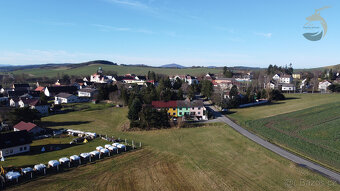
pixel 14 150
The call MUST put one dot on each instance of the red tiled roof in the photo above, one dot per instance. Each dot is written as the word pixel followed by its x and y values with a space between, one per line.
pixel 40 89
pixel 24 126
pixel 164 104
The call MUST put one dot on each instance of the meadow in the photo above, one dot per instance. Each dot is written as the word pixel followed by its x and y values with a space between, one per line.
pixel 307 124
pixel 121 70
pixel 65 150
pixel 212 156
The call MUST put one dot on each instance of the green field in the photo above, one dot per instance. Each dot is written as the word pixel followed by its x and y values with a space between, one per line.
pixel 210 157
pixel 307 124
pixel 66 150
pixel 121 70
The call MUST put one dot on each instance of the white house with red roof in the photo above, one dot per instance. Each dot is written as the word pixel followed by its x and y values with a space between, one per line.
pixel 29 127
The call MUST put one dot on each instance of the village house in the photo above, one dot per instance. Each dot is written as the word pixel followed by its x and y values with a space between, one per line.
pixel 20 87
pixel 29 127
pixel 186 78
pixel 198 110
pixel 13 143
pixel 181 108
pixel 283 79
pixel 323 86
pixel 270 85
pixel 288 87
pixel 286 79
pixel 87 92
pixel 243 77
pixel 2 90
pixel 54 90
pixel 65 98
pixel 225 81
pixel 296 76
pixel 14 102
pixel 62 82
pixel 337 80
pixel 98 77
pixel 43 109
pixel 276 77
pixel 141 78
pixel 170 106
pixel 40 89
pixel 25 102
pixel 16 93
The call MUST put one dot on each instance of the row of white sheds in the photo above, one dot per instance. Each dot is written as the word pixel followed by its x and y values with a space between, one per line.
pixel 100 151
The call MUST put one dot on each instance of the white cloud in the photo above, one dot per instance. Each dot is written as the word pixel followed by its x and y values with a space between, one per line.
pixel 108 28
pixel 266 35
pixel 130 3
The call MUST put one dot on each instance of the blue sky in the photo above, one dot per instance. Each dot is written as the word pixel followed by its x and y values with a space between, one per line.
pixel 156 32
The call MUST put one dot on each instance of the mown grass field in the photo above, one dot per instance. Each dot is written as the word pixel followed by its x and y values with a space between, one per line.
pixel 121 70
pixel 294 102
pixel 307 124
pixel 210 157
pixel 36 156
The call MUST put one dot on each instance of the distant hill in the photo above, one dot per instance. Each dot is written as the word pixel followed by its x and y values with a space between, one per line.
pixel 246 68
pixel 172 66
pixel 9 68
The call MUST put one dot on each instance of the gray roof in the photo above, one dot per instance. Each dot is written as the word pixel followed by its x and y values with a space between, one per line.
pixel 182 103
pixel 90 90
pixel 197 103
pixel 288 85
pixel 64 95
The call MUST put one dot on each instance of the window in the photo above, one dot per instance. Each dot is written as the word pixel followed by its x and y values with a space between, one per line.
pixel 174 113
pixel 25 148
pixel 11 151
pixel 199 108
pixel 174 108
pixel 20 148
pixel 193 108
pixel 6 151
pixel 180 113
pixel 199 113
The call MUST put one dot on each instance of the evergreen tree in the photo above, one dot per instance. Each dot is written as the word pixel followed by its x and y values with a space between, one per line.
pixel 233 92
pixel 227 73
pixel 24 114
pixel 134 109
pixel 207 88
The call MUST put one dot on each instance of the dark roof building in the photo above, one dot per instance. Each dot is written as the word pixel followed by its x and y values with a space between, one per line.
pixel 15 86
pixel 54 90
pixel 16 93
pixel 13 139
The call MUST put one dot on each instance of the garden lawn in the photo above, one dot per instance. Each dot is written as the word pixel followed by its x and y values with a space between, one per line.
pixel 35 156
pixel 210 157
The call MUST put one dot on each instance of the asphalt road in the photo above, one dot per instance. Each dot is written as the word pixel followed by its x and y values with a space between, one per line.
pixel 278 150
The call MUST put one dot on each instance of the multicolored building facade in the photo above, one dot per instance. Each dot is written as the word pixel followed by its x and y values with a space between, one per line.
pixel 182 108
